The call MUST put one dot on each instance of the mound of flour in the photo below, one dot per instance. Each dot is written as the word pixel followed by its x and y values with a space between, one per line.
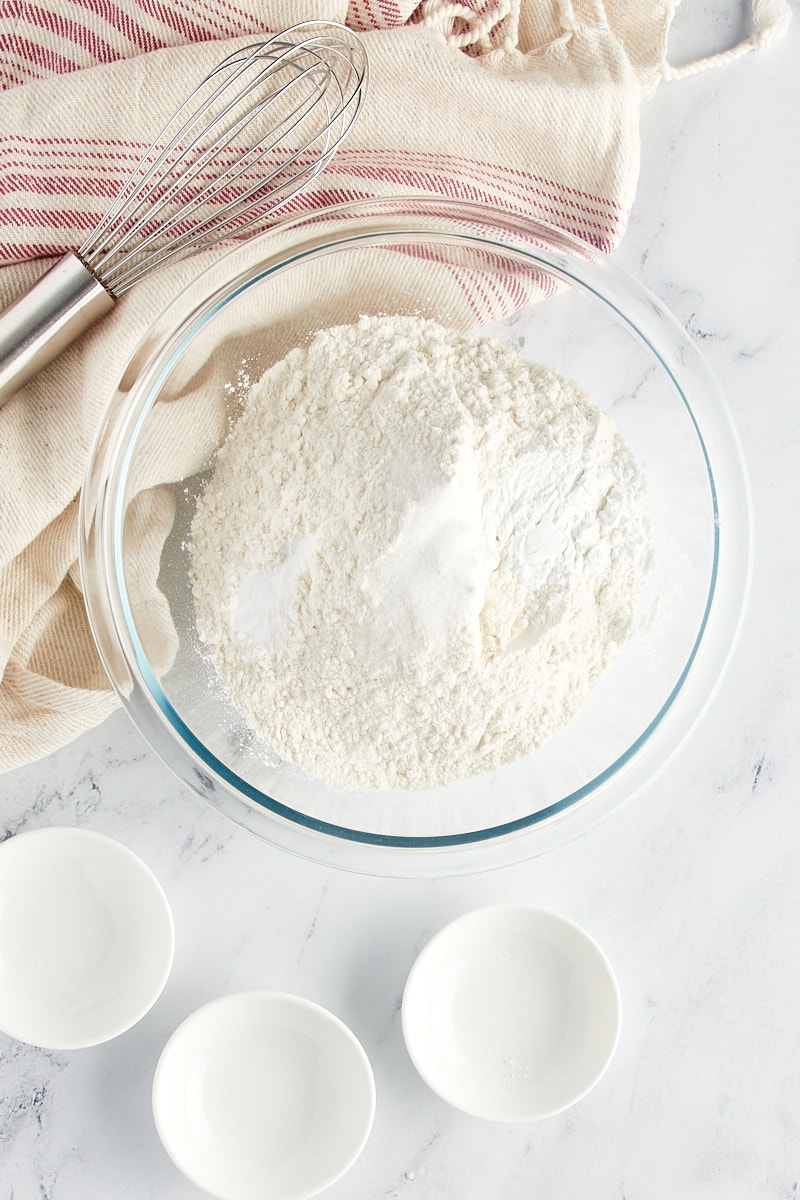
pixel 416 555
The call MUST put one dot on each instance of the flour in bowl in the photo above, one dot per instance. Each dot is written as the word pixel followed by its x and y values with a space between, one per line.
pixel 417 554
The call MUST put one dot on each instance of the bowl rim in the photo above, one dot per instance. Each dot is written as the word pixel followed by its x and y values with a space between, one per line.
pixel 634 305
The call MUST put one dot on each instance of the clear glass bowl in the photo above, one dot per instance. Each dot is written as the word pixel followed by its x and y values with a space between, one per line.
pixel 557 301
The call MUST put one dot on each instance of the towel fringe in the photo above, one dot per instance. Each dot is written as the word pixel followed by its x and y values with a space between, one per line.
pixel 770 21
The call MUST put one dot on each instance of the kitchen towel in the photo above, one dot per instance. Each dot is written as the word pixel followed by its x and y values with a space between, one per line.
pixel 527 105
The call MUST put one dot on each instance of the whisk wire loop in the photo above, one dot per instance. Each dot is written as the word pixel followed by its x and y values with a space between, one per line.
pixel 256 130
pixel 178 182
pixel 159 154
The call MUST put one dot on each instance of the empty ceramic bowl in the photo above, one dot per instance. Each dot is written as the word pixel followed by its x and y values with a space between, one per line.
pixel 86 938
pixel 263 1094
pixel 511 1013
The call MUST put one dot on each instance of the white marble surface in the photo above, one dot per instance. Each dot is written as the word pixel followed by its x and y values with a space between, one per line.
pixel 693 890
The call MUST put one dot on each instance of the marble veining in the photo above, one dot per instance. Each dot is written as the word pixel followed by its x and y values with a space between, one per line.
pixel 693 890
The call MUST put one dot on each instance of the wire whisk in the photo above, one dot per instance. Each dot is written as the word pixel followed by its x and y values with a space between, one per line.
pixel 251 136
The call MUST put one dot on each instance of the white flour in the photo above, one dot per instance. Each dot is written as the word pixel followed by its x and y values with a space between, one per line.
pixel 416 555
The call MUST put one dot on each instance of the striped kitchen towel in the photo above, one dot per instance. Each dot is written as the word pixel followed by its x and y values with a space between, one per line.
pixel 531 106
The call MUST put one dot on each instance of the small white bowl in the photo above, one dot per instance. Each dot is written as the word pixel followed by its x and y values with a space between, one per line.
pixel 86 938
pixel 511 1013
pixel 263 1094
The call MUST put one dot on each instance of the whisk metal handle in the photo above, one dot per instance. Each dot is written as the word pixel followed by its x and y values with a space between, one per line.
pixel 46 319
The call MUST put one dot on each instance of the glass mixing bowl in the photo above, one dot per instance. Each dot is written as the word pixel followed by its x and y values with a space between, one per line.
pixel 558 302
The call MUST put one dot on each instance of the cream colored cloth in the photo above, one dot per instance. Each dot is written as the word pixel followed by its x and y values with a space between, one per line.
pixel 527 105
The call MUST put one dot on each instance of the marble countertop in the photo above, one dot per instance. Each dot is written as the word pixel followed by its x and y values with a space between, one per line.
pixel 693 890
